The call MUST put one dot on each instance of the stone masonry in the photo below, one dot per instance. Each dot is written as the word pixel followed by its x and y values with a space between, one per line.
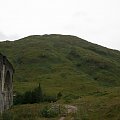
pixel 6 86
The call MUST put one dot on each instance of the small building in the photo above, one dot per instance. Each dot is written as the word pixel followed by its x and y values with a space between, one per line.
pixel 6 83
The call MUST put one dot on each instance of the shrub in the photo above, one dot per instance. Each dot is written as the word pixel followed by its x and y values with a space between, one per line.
pixel 18 99
pixel 49 112
pixel 34 96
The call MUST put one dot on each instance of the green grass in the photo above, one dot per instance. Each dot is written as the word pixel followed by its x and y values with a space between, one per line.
pixel 101 107
pixel 26 112
pixel 82 71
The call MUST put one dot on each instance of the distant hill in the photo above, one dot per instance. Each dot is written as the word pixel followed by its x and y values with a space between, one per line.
pixel 87 75
pixel 62 63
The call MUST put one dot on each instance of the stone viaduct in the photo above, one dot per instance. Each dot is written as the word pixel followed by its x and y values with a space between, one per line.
pixel 6 86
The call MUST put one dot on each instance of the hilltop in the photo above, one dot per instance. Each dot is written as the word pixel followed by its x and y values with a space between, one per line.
pixel 67 64
pixel 62 59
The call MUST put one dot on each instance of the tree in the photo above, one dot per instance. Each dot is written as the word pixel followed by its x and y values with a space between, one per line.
pixel 37 95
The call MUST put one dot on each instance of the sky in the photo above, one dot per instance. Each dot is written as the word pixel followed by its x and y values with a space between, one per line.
pixel 97 21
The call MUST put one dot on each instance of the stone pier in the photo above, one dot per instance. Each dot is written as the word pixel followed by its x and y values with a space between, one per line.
pixel 6 83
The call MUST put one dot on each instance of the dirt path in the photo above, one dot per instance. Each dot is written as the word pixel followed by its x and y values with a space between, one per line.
pixel 70 109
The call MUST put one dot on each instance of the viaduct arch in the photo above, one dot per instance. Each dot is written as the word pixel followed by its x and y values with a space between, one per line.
pixel 6 86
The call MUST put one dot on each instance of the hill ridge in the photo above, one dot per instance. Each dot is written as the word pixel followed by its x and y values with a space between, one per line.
pixel 87 75
pixel 62 57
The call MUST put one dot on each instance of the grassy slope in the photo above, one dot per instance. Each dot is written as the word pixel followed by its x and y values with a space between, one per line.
pixel 68 64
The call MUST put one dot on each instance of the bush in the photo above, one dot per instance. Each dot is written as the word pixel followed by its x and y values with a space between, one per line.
pixel 18 99
pixel 34 96
pixel 49 112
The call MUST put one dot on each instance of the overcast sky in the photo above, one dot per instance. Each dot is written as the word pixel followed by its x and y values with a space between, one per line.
pixel 97 21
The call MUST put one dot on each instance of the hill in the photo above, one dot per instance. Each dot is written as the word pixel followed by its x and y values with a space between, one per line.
pixel 67 64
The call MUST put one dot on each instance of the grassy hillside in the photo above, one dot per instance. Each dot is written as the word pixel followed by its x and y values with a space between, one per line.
pixel 67 64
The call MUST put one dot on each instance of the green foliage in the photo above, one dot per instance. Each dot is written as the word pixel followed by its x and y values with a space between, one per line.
pixel 36 57
pixel 18 99
pixel 80 69
pixel 34 96
pixel 24 112
pixel 37 95
pixel 49 112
